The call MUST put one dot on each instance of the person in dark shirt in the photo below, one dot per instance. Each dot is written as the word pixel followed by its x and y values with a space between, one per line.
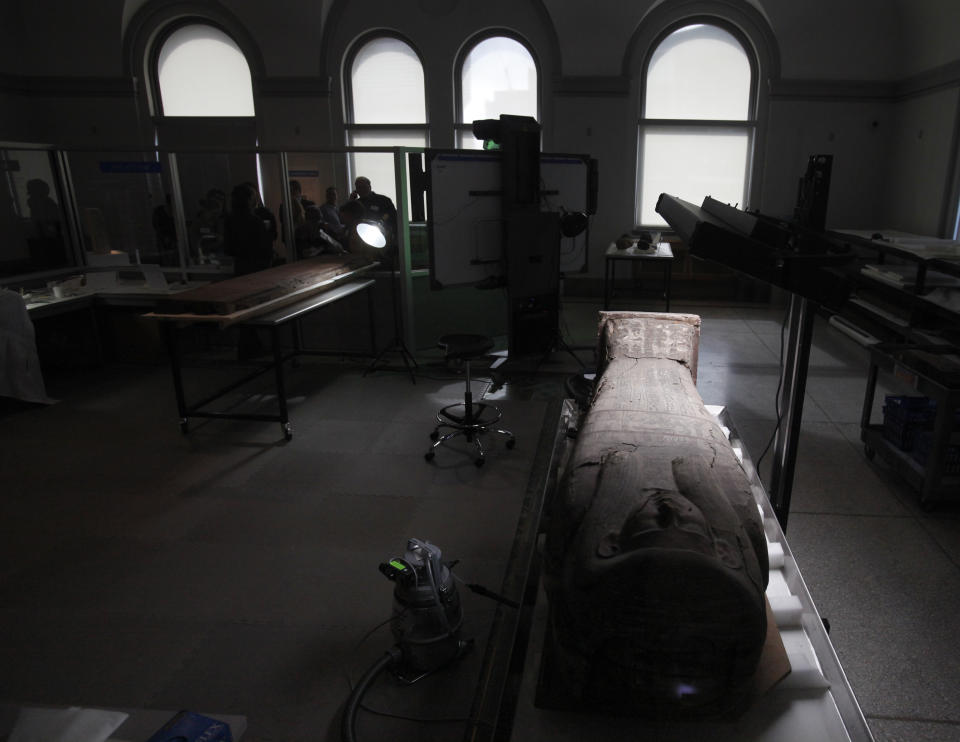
pixel 245 235
pixel 269 220
pixel 330 212
pixel 376 206
pixel 312 237
pixel 247 238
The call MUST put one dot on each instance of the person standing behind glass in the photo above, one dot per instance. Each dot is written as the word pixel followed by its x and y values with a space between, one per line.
pixel 47 248
pixel 246 237
pixel 260 210
pixel 330 215
pixel 377 207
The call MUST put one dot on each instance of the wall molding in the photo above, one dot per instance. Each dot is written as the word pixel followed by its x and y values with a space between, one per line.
pixel 818 90
pixel 584 86
pixel 930 81
pixel 35 86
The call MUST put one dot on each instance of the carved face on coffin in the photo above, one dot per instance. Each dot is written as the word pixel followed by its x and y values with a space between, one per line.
pixel 662 519
pixel 669 619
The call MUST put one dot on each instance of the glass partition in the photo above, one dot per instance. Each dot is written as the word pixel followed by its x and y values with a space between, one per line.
pixel 272 192
pixel 65 209
pixel 379 166
pixel 205 184
pixel 33 222
pixel 311 175
pixel 124 207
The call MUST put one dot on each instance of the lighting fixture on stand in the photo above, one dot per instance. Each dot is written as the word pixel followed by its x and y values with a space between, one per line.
pixel 372 234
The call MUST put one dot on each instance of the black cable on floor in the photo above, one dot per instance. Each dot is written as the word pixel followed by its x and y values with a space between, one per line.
pixel 348 732
pixel 776 428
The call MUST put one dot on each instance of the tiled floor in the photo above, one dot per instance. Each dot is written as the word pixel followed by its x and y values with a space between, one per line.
pixel 230 571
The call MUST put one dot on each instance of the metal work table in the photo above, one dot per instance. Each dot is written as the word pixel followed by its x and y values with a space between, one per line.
pixel 937 478
pixel 662 255
pixel 274 321
pixel 124 293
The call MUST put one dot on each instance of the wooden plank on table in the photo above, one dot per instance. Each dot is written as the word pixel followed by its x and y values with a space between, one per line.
pixel 258 293
pixel 256 289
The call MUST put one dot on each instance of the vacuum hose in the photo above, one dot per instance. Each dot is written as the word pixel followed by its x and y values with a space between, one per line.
pixel 348 723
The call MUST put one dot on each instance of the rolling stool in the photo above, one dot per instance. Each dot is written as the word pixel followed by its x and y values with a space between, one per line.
pixel 466 418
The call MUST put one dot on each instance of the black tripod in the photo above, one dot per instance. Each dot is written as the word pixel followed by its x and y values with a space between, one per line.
pixel 397 345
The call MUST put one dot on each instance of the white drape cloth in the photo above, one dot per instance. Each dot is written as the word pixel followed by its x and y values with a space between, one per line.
pixel 20 374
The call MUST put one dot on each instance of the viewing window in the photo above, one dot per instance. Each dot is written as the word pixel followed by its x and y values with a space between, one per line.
pixel 498 76
pixel 696 132
pixel 202 72
pixel 387 108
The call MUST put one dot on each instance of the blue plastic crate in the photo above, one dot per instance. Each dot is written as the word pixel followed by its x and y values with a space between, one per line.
pixel 924 444
pixel 904 417
pixel 187 726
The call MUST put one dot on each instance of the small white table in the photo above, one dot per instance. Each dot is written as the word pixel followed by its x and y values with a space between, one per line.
pixel 661 254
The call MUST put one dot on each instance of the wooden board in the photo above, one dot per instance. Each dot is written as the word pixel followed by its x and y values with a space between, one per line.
pixel 255 289
pixel 244 297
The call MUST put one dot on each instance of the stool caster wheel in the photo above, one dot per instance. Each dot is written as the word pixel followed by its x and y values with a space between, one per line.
pixel 434 435
pixel 184 426
pixel 478 463
pixel 869 452
pixel 428 456
pixel 287 431
pixel 511 443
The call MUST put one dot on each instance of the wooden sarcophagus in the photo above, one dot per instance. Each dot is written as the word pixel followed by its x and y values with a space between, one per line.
pixel 655 562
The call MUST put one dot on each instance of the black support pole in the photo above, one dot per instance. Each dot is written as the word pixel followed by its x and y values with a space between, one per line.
pixel 793 387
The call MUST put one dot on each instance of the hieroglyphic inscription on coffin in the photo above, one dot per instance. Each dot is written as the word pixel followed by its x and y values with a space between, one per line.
pixel 655 561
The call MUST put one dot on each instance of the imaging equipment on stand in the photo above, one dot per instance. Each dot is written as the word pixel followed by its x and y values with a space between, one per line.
pixel 792 255
pixel 498 218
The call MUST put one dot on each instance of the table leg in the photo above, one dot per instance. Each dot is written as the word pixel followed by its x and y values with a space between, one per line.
pixel 668 273
pixel 297 333
pixel 607 278
pixel 281 387
pixel 173 350
pixel 372 319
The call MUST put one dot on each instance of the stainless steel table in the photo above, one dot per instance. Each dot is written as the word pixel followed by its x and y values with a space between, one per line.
pixel 274 321
pixel 661 255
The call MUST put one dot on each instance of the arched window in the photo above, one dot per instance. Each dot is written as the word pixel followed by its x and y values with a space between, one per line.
pixel 202 72
pixel 698 120
pixel 498 75
pixel 387 107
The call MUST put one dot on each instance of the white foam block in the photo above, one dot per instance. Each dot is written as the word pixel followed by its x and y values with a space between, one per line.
pixel 775 554
pixel 787 610
pixel 777 585
pixel 805 670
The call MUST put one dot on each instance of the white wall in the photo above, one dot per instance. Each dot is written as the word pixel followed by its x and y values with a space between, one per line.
pixel 858 134
pixel 920 165
pixel 928 35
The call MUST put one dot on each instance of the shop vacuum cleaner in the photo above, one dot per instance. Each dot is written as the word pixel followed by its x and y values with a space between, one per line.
pixel 426 624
